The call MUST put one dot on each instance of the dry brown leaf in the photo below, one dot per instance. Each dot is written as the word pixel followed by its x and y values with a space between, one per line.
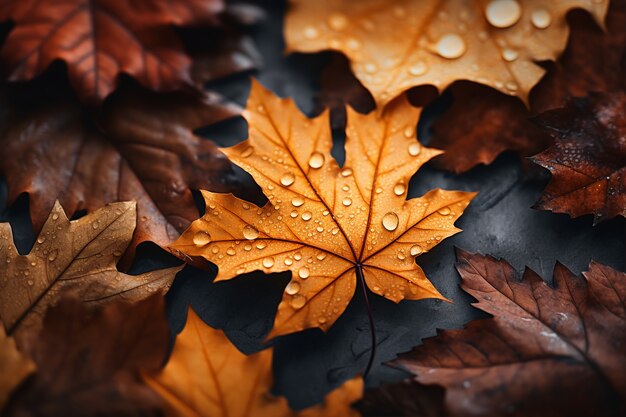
pixel 394 47
pixel 14 367
pixel 78 256
pixel 328 225
pixel 88 361
pixel 207 376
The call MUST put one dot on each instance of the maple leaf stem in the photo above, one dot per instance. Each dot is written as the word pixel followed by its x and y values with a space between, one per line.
pixel 370 316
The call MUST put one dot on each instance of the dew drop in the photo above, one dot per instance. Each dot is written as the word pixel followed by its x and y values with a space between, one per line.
pixel 95 225
pixel 346 202
pixel 310 32
pixel 247 247
pixel 370 68
pixel 31 282
pixel 41 239
pixel 379 190
pixel 415 149
pixel 247 152
pixel 303 273
pixel 293 214
pixel 541 18
pixel 288 261
pixel 55 216
pixel 297 256
pixel 261 245
pixel 306 216
pixel 509 55
pixel 503 13
pixel 416 250
pixel 390 221
pixel 117 253
pixel 316 160
pixel 401 256
pixel 292 288
pixel 53 255
pixel 451 46
pixel 399 189
pixel 287 179
pixel 319 229
pixel 297 202
pixel 321 256
pixel 201 238
pixel 322 320
pixel 231 251
pixel 418 68
pixel 250 232
pixel 444 211
pixel 268 262
pixel 298 301
pixel 409 132
pixel 346 172
pixel 337 21
pixel 346 187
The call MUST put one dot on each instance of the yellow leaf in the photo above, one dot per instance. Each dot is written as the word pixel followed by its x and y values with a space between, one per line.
pixel 78 256
pixel 207 376
pixel 14 367
pixel 396 45
pixel 323 223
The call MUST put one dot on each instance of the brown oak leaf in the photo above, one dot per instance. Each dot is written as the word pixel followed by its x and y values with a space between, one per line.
pixel 101 39
pixel 331 227
pixel 78 256
pixel 495 43
pixel 482 123
pixel 547 351
pixel 207 376
pixel 14 367
pixel 142 147
pixel 88 363
pixel 588 158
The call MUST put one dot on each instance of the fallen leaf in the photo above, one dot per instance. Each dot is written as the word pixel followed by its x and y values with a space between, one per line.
pixel 103 38
pixel 78 256
pixel 88 364
pixel 141 148
pixel 546 352
pixel 405 398
pixel 482 123
pixel 207 376
pixel 588 158
pixel 437 43
pixel 327 225
pixel 14 367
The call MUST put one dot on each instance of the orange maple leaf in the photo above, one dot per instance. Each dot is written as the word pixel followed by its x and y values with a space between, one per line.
pixel 328 225
pixel 207 376
pixel 394 47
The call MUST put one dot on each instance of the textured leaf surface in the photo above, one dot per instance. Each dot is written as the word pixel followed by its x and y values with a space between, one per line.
pixel 588 158
pixel 142 148
pixel 88 364
pixel 547 351
pixel 100 39
pixel 207 376
pixel 14 367
pixel 78 256
pixel 324 223
pixel 437 42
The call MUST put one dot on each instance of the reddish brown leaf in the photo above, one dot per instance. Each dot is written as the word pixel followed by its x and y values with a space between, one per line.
pixel 100 39
pixel 588 158
pixel 143 148
pixel 407 398
pixel 89 365
pixel 482 123
pixel 546 352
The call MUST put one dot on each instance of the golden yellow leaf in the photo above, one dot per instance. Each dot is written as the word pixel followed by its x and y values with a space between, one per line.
pixel 78 256
pixel 396 45
pixel 325 224
pixel 207 376
pixel 14 367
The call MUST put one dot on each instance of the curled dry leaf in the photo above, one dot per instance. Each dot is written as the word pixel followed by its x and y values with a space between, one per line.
pixel 14 367
pixel 328 225
pixel 101 39
pixel 437 42
pixel 142 148
pixel 207 376
pixel 78 256
pixel 547 351
pixel 482 123
pixel 588 158
pixel 88 363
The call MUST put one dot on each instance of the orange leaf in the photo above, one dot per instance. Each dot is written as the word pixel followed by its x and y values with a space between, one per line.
pixel 326 224
pixel 417 42
pixel 207 376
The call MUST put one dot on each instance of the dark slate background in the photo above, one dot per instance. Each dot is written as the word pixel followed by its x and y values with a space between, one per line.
pixel 500 222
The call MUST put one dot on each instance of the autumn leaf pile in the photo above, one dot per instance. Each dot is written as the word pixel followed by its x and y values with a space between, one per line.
pixel 103 104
